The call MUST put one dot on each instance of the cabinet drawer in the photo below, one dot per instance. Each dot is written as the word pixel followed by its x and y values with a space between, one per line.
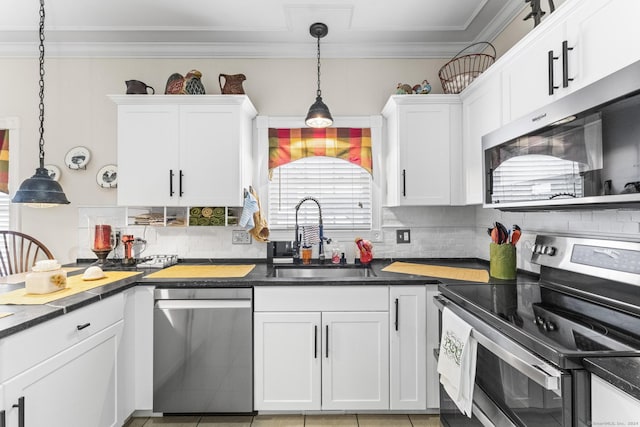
pixel 25 349
pixel 321 298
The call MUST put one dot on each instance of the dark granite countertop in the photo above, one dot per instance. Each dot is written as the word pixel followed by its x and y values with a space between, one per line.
pixel 26 316
pixel 622 372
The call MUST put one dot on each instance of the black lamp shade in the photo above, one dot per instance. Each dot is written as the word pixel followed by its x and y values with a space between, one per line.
pixel 40 190
pixel 319 115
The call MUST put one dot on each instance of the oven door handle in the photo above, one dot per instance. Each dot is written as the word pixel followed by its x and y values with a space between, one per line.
pixel 506 349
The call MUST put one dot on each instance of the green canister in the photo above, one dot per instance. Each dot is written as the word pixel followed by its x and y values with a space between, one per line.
pixel 502 261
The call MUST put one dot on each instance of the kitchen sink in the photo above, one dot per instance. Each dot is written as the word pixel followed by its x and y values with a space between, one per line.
pixel 321 272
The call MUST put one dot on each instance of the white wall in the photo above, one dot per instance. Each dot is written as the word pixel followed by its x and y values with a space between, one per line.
pixel 79 113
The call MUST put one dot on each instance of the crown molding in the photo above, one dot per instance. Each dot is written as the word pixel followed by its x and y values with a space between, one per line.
pixel 231 50
pixel 414 50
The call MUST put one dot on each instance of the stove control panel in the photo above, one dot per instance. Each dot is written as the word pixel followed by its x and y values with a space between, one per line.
pixel 616 260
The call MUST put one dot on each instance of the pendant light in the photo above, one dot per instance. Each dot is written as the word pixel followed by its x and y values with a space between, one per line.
pixel 41 190
pixel 319 115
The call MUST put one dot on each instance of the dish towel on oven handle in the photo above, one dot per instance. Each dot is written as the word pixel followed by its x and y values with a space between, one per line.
pixel 457 360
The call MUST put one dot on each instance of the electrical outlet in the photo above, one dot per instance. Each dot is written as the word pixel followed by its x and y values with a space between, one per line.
pixel 403 236
pixel 240 237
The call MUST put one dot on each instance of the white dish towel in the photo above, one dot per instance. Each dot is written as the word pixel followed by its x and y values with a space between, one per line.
pixel 250 207
pixel 457 360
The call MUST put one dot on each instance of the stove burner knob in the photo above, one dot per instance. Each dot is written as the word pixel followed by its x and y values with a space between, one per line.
pixel 538 321
pixel 549 326
pixel 549 250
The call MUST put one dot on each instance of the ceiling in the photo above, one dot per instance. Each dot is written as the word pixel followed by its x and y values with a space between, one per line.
pixel 252 28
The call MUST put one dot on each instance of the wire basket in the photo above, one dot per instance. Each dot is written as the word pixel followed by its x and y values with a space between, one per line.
pixel 458 73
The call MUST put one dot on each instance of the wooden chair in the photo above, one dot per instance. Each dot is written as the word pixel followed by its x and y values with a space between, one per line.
pixel 19 252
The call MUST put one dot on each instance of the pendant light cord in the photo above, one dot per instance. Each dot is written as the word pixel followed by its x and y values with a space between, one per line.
pixel 41 83
pixel 319 94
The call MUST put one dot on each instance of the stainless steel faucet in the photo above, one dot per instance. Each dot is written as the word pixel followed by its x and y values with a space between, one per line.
pixel 296 246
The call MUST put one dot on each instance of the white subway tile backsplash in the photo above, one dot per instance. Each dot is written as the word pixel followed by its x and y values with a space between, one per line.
pixel 436 232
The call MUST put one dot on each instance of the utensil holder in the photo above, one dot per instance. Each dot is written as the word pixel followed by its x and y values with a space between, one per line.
pixel 502 261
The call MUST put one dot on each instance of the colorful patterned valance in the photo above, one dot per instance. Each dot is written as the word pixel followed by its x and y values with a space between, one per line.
pixel 350 144
pixel 4 161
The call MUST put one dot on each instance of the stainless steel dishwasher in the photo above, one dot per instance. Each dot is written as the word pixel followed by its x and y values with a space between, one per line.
pixel 202 350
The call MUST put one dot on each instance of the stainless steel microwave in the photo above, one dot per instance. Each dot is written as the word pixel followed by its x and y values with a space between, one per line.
pixel 582 150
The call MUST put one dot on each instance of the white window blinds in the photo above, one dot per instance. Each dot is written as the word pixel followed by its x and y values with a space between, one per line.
pixel 343 189
pixel 4 211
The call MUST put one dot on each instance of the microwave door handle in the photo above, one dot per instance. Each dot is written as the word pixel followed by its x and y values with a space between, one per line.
pixel 505 349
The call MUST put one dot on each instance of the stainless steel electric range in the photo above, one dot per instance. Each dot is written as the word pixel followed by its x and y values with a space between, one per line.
pixel 534 336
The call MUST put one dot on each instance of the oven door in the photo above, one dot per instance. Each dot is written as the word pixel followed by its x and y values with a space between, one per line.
pixel 514 387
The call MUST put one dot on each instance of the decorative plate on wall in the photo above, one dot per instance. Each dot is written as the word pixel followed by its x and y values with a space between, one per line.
pixel 77 158
pixel 54 172
pixel 107 176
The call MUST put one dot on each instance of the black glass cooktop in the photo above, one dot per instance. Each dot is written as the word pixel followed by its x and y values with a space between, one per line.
pixel 554 324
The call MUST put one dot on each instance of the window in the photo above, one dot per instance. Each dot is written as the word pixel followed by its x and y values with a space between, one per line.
pixel 344 191
pixel 4 211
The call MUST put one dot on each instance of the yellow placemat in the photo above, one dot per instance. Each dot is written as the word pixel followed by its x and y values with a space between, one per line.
pixel 201 271
pixel 5 315
pixel 468 274
pixel 75 285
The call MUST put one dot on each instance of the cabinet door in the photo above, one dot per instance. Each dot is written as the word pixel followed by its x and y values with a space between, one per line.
pixel 433 343
pixel 526 78
pixel 604 36
pixel 481 113
pixel 408 342
pixel 611 406
pixel 425 138
pixel 75 388
pixel 210 160
pixel 355 355
pixel 287 361
pixel 148 138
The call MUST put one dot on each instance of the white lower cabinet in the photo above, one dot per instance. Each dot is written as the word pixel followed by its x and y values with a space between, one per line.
pixel 355 360
pixel 408 345
pixel 321 348
pixel 287 361
pixel 433 344
pixel 612 406
pixel 64 372
pixel 76 387
pixel 135 353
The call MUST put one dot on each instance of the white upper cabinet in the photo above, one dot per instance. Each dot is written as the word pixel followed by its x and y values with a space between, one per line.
pixel 578 44
pixel 605 34
pixel 183 150
pixel 481 114
pixel 423 150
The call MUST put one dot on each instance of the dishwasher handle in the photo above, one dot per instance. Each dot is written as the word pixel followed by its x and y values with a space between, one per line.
pixel 196 304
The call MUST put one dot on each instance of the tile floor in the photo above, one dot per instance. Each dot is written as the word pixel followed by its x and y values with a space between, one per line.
pixel 361 420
